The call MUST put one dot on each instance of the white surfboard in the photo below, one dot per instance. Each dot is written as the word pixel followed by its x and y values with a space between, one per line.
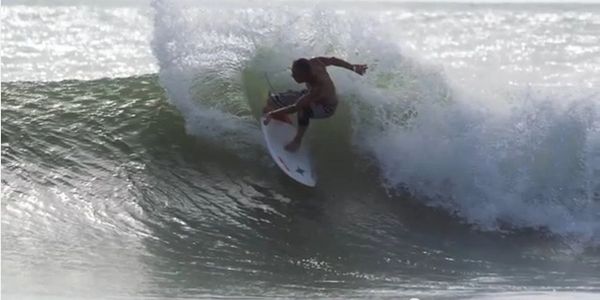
pixel 295 164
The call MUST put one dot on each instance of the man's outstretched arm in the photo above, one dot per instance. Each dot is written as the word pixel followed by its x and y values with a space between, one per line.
pixel 334 61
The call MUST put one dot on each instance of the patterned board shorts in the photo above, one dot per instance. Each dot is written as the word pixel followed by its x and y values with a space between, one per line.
pixel 315 111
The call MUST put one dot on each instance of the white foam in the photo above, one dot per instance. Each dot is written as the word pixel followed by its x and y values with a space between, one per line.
pixel 491 150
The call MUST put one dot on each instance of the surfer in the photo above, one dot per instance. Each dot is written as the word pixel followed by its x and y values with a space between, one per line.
pixel 317 101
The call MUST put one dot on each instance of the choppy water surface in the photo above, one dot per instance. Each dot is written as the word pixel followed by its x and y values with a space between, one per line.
pixel 466 164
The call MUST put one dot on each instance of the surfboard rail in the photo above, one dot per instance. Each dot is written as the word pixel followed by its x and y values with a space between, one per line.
pixel 297 165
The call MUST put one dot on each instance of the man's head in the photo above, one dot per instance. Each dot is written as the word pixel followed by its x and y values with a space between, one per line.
pixel 301 70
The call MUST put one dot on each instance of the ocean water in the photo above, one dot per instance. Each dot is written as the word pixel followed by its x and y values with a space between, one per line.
pixel 464 165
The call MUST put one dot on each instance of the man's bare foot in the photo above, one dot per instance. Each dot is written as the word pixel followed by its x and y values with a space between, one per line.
pixel 293 145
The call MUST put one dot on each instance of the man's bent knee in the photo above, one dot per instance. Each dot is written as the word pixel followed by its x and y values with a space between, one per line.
pixel 303 118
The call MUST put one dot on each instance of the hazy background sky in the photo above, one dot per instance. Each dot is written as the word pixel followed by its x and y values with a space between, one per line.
pixel 113 2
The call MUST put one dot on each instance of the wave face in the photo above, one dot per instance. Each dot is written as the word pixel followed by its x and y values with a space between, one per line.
pixel 509 137
pixel 465 163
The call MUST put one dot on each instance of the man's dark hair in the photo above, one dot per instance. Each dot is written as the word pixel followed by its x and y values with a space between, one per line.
pixel 302 65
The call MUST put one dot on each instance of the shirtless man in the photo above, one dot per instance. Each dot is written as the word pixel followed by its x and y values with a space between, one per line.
pixel 318 101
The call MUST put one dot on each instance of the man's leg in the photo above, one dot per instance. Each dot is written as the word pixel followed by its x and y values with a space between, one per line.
pixel 303 121
pixel 314 111
pixel 294 145
pixel 279 100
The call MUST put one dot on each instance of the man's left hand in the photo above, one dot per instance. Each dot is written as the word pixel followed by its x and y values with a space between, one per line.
pixel 360 69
